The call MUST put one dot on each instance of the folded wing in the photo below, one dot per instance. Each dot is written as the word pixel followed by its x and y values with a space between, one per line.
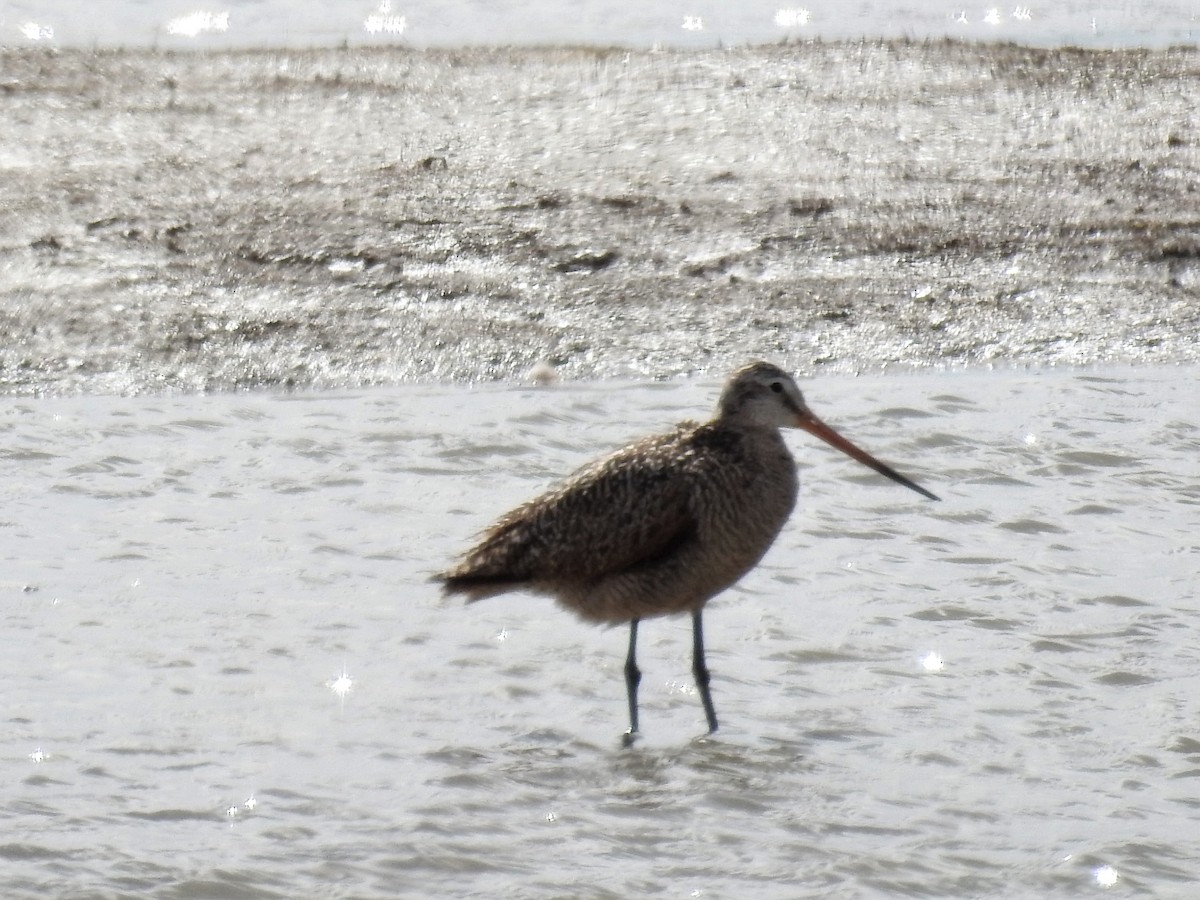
pixel 620 513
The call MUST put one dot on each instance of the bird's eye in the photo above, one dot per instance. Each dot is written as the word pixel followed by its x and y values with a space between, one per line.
pixel 777 387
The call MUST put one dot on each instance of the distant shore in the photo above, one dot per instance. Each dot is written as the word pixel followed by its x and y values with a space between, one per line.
pixel 341 218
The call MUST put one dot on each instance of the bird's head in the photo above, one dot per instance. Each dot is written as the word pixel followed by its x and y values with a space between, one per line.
pixel 762 395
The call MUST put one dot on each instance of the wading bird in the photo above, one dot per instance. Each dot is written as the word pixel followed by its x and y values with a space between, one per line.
pixel 662 525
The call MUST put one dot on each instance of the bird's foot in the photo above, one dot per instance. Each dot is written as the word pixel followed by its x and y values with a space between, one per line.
pixel 628 738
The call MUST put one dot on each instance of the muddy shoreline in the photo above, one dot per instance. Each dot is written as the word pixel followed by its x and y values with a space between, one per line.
pixel 340 218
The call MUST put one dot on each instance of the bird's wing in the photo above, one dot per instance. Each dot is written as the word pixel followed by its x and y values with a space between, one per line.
pixel 620 512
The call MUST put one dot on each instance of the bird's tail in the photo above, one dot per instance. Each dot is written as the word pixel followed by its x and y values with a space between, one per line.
pixel 476 586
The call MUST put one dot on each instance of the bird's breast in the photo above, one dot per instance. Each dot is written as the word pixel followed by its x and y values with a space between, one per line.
pixel 742 499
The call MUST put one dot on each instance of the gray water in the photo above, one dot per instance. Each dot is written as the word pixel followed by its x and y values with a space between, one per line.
pixel 226 675
pixel 672 23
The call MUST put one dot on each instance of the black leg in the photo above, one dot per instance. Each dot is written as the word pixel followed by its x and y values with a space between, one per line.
pixel 700 670
pixel 633 677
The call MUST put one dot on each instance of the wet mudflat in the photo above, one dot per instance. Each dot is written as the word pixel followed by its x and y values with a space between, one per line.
pixel 349 217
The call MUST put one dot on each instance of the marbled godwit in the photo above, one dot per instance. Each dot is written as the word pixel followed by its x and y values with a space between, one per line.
pixel 663 525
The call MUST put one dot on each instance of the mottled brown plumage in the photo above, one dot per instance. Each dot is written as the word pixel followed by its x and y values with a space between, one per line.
pixel 663 525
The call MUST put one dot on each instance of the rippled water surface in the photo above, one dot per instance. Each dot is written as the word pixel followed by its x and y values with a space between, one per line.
pixel 306 23
pixel 225 673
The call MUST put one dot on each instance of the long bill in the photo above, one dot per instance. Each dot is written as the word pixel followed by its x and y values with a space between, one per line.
pixel 817 428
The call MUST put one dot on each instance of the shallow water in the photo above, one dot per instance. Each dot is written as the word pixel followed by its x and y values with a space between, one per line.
pixel 696 23
pixel 226 674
